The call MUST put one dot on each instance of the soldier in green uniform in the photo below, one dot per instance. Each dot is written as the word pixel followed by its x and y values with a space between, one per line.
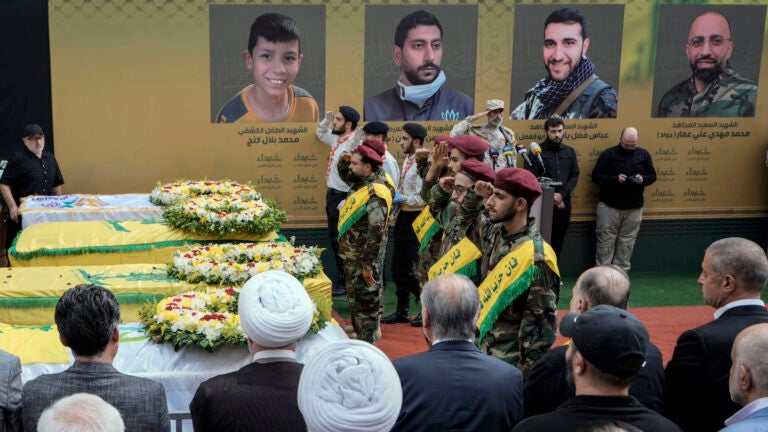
pixel 363 223
pixel 714 89
pixel 448 197
pixel 520 281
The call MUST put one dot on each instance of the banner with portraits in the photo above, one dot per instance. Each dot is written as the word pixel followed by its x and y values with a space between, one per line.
pixel 147 91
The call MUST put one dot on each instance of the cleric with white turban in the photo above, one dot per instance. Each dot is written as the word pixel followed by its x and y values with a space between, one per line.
pixel 275 312
pixel 275 309
pixel 349 386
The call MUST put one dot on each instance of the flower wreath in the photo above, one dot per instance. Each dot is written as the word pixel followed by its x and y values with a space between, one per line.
pixel 224 215
pixel 235 263
pixel 165 195
pixel 207 318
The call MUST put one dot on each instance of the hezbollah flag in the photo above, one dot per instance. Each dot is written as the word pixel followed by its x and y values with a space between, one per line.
pixel 510 278
pixel 460 259
pixel 425 227
pixel 354 207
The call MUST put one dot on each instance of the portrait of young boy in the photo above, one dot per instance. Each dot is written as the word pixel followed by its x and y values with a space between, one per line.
pixel 274 57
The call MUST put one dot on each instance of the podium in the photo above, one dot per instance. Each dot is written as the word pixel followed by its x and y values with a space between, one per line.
pixel 543 207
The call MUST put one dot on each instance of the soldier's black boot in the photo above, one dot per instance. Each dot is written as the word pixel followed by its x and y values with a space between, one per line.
pixel 417 322
pixel 399 316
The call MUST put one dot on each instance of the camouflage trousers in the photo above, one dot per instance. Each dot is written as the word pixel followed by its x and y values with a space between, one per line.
pixel 365 302
pixel 429 256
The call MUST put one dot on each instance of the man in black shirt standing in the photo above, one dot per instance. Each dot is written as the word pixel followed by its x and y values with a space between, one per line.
pixel 561 166
pixel 31 171
pixel 622 172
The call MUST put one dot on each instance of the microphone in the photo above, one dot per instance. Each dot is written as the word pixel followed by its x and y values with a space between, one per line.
pixel 506 136
pixel 536 151
pixel 494 152
pixel 523 152
pixel 509 154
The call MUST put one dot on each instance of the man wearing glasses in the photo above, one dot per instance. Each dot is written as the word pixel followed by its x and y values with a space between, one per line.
pixel 714 89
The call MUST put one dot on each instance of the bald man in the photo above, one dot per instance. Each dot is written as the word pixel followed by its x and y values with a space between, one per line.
pixel 546 387
pixel 748 382
pixel 714 89
pixel 623 172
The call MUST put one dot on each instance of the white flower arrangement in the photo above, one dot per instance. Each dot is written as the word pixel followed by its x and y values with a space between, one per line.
pixel 217 208
pixel 206 318
pixel 165 195
pixel 235 263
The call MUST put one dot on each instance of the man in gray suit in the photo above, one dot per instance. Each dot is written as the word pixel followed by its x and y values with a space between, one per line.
pixel 87 317
pixel 10 392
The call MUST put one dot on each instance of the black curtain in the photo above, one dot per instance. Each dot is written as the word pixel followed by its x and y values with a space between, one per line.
pixel 25 72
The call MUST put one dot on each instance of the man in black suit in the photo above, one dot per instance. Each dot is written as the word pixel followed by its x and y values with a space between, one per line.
pixel 546 387
pixel 454 386
pixel 275 312
pixel 733 274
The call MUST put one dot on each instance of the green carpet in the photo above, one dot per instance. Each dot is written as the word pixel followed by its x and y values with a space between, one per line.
pixel 648 290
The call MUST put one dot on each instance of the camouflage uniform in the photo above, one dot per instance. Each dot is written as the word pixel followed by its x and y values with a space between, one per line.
pixel 455 223
pixel 527 328
pixel 492 136
pixel 363 247
pixel 598 100
pixel 730 95
pixel 431 253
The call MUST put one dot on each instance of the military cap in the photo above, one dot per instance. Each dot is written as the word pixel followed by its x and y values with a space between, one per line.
pixel 477 170
pixel 370 154
pixel 470 145
pixel 376 128
pixel 415 130
pixel 350 114
pixel 494 104
pixel 518 182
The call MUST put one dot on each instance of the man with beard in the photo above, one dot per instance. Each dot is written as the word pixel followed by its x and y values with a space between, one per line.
pixel 623 172
pixel 547 387
pixel 571 89
pixel 406 256
pixel 336 131
pixel 377 131
pixel 420 93
pixel 714 89
pixel 496 135
pixel 520 279
pixel 560 165
pixel 446 158
pixel 456 207
pixel 363 224
pixel 31 171
pixel 607 351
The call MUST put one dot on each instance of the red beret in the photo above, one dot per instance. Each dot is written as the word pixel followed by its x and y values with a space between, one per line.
pixel 369 154
pixel 477 170
pixel 518 182
pixel 470 145
pixel 445 138
pixel 376 145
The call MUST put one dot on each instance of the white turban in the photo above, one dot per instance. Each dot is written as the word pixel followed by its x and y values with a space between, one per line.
pixel 349 386
pixel 275 309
